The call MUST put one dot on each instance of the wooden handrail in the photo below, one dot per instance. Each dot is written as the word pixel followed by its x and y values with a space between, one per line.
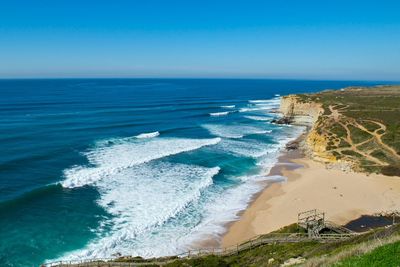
pixel 249 244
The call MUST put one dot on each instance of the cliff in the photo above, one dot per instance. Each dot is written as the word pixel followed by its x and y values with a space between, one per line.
pixel 308 113
pixel 292 105
pixel 355 128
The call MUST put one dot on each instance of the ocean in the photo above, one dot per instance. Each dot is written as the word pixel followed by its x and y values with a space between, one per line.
pixel 95 168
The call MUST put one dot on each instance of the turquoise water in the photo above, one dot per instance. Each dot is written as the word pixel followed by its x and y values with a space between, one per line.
pixel 93 168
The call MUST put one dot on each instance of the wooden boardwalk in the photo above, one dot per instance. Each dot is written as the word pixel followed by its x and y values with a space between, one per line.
pixel 272 238
pixel 313 221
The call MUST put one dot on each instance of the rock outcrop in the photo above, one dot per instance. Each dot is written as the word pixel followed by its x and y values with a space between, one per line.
pixel 291 106
pixel 308 113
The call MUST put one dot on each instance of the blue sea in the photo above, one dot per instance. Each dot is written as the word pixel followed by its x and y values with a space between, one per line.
pixel 95 168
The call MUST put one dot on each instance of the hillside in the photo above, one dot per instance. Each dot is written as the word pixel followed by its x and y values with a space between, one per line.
pixel 373 248
pixel 358 128
pixel 378 247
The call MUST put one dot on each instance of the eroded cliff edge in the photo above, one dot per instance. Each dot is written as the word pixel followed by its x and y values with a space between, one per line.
pixel 308 114
pixel 355 128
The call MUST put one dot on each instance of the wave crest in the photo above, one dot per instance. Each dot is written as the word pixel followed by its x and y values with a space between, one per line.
pixel 233 131
pixel 114 156
pixel 141 199
pixel 148 135
pixel 228 106
pixel 218 114
pixel 258 118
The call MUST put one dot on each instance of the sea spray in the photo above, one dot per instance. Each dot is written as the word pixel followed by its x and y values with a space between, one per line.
pixel 107 160
pixel 147 135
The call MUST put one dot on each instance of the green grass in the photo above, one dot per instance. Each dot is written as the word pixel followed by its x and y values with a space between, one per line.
pixel 387 255
pixel 380 154
pixel 277 254
pixel 338 130
pixel 391 170
pixel 343 143
pixel 366 106
pixel 207 261
pixel 345 252
pixel 392 137
pixel 291 228
pixel 358 135
pixel 352 153
pixel 368 146
pixel 255 257
pixel 370 126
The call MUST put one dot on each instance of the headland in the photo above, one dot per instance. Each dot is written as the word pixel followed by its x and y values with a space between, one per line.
pixel 347 163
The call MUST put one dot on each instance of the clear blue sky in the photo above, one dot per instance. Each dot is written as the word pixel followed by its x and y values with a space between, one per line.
pixel 321 39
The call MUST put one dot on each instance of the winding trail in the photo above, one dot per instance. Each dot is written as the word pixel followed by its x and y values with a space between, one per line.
pixel 375 136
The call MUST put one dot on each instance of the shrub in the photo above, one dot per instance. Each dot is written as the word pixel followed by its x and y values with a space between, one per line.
pixel 391 170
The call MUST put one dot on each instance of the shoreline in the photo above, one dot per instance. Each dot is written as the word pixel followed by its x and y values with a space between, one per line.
pixel 240 226
pixel 283 161
pixel 310 185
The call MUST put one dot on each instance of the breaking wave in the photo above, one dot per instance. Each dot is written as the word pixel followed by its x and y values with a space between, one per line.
pixel 142 199
pixel 148 135
pixel 262 105
pixel 106 160
pixel 217 114
pixel 228 106
pixel 258 118
pixel 275 100
pixel 233 131
pixel 161 206
pixel 248 148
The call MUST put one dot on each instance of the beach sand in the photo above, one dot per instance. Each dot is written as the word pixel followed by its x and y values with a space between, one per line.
pixel 343 196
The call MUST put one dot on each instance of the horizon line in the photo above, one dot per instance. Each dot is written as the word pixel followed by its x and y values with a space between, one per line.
pixel 192 78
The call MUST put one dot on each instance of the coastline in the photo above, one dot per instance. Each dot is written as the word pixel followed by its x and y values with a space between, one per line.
pixel 310 185
pixel 283 161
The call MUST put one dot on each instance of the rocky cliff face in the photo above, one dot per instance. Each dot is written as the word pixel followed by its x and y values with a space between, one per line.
pixel 292 105
pixel 316 142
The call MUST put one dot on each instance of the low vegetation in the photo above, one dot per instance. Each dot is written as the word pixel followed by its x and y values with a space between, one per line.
pixel 386 255
pixel 379 247
pixel 362 126
pixel 313 253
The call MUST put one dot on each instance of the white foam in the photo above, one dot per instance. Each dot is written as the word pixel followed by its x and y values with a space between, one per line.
pixel 258 118
pixel 226 207
pixel 275 100
pixel 217 114
pixel 147 200
pixel 260 101
pixel 148 135
pixel 125 153
pixel 247 148
pixel 142 199
pixel 233 131
pixel 228 106
pixel 261 105
pixel 249 109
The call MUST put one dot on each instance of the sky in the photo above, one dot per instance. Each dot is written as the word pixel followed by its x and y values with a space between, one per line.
pixel 307 39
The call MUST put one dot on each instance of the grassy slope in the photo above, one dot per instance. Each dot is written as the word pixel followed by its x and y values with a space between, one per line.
pixel 387 255
pixel 363 111
pixel 314 253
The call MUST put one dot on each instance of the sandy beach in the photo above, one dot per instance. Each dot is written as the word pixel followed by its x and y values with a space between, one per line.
pixel 343 196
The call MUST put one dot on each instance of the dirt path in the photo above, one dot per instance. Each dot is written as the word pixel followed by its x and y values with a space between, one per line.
pixel 378 137
pixel 335 115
